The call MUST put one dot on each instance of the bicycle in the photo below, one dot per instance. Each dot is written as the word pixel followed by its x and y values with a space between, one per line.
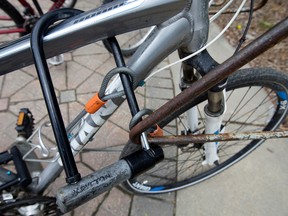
pixel 14 23
pixel 74 194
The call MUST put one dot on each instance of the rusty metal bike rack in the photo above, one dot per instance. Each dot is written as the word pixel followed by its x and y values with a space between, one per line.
pixel 248 53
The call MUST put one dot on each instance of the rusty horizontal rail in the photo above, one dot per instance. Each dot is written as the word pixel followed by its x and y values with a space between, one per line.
pixel 202 138
pixel 244 56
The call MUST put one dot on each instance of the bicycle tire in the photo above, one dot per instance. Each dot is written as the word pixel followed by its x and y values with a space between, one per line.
pixel 16 18
pixel 170 175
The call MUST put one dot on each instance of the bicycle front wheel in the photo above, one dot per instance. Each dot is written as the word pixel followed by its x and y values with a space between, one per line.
pixel 256 101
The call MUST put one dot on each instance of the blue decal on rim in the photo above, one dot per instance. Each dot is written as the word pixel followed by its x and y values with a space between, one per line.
pixel 157 188
pixel 217 133
pixel 282 95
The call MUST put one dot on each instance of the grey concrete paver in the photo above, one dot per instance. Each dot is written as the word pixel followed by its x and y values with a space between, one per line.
pixel 143 206
pixel 67 96
pixel 4 104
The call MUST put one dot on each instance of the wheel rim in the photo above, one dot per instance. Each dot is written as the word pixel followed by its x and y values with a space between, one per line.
pixel 187 160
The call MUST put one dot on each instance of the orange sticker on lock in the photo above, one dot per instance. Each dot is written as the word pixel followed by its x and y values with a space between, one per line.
pixel 157 132
pixel 94 104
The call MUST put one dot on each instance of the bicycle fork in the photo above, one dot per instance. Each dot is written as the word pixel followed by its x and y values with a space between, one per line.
pixel 214 112
pixel 213 116
pixel 215 108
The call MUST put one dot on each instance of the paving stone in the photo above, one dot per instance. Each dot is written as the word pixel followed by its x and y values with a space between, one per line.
pixel 141 90
pixel 58 75
pixel 74 108
pixel 87 5
pixel 159 93
pixel 112 135
pixel 154 103
pixel 29 92
pixel 14 82
pixel 117 203
pixel 4 104
pixel 91 49
pixel 91 84
pixel 76 74
pixel 93 62
pixel 144 206
pixel 67 96
pixel 7 127
pixel 31 70
pixel 68 56
pixel 105 68
pixel 167 197
pixel 159 83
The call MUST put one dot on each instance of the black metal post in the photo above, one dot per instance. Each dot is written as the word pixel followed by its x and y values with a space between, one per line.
pixel 72 174
pixel 126 82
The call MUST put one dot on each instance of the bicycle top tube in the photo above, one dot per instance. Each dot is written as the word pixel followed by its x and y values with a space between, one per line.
pixel 108 20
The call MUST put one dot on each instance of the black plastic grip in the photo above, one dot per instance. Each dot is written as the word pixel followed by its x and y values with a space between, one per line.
pixel 23 174
pixel 5 157
pixel 142 160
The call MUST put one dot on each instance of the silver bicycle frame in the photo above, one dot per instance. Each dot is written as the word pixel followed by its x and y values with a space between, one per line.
pixel 108 20
pixel 178 25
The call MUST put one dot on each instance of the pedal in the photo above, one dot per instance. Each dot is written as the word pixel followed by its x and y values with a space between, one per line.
pixel 25 123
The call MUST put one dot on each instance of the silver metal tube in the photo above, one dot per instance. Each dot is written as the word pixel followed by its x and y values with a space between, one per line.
pixel 108 20
pixel 73 195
